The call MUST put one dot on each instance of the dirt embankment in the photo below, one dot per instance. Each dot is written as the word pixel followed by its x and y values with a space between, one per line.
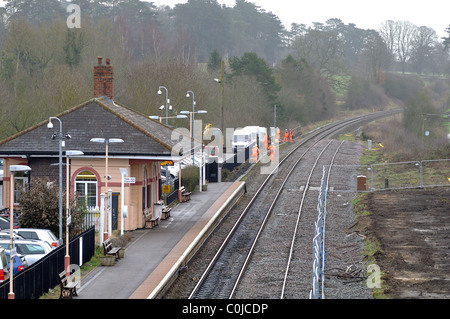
pixel 413 230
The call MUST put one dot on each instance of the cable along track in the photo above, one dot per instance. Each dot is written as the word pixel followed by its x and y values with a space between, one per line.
pixel 222 276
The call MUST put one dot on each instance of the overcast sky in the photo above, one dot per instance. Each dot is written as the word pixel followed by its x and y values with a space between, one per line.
pixel 363 13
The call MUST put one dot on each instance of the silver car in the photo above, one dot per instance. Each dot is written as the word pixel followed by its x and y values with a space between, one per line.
pixel 33 250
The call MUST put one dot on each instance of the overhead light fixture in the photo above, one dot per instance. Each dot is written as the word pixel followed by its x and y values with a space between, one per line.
pixel 19 168
pixel 74 153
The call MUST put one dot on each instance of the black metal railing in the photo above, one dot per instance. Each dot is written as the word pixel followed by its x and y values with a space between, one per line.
pixel 37 279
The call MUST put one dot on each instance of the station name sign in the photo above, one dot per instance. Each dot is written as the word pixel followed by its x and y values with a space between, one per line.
pixel 167 163
pixel 129 180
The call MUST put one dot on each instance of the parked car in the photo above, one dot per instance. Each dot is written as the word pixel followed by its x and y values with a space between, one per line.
pixel 20 263
pixel 33 250
pixel 39 234
pixel 5 213
pixel 5 223
pixel 4 270
pixel 4 234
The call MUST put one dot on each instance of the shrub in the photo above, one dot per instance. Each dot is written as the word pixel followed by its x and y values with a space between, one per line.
pixel 363 94
pixel 416 106
pixel 40 207
pixel 190 178
pixel 402 87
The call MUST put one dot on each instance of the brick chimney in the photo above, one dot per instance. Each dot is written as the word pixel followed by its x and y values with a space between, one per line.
pixel 104 79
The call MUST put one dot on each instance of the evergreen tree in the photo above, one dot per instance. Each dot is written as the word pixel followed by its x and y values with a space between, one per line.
pixel 251 64
pixel 447 39
pixel 73 47
pixel 35 11
pixel 215 61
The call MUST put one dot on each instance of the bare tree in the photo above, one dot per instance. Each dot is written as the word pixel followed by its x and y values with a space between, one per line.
pixel 374 56
pixel 399 37
pixel 321 47
pixel 424 43
pixel 388 32
pixel 406 32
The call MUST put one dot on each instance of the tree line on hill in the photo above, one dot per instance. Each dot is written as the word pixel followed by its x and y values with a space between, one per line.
pixel 46 67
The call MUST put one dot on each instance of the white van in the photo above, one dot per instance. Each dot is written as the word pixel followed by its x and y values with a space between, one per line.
pixel 258 134
pixel 241 139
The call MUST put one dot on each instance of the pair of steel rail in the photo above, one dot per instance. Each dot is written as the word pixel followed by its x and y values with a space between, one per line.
pixel 314 136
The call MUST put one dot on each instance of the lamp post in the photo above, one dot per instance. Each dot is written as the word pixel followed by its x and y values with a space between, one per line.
pixel 191 124
pixel 220 81
pixel 192 136
pixel 12 169
pixel 68 221
pixel 107 177
pixel 193 110
pixel 60 138
pixel 166 104
pixel 154 117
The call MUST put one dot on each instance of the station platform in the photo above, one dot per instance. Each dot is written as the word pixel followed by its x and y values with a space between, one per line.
pixel 153 256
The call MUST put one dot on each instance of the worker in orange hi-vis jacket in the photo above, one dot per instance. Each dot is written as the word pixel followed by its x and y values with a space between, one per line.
pixel 255 153
pixel 285 136
pixel 272 152
pixel 291 135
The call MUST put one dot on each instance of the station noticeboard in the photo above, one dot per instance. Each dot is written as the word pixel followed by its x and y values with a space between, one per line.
pixel 166 189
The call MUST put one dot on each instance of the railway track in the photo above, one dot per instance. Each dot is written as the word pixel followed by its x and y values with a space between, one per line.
pixel 230 264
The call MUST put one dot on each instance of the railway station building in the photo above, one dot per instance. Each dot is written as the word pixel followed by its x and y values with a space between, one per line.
pixel 146 143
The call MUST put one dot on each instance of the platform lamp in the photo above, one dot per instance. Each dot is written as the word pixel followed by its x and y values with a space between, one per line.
pixel 107 177
pixel 166 105
pixel 13 169
pixel 68 220
pixel 191 129
pixel 60 137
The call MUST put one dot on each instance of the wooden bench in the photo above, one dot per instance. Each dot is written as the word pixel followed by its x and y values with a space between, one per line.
pixel 186 196
pixel 68 287
pixel 149 218
pixel 109 249
pixel 166 212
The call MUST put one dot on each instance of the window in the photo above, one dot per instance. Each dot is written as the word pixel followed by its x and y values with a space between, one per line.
pixel 20 182
pixel 146 192
pixel 29 249
pixel 28 234
pixel 86 188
